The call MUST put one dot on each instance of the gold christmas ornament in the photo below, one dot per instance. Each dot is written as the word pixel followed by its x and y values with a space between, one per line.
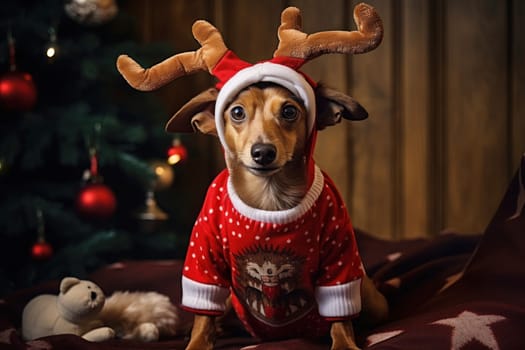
pixel 151 211
pixel 164 175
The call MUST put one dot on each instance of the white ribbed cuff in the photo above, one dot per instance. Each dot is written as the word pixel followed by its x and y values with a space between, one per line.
pixel 206 297
pixel 339 301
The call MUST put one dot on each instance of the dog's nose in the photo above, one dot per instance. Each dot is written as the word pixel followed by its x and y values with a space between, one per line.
pixel 93 295
pixel 263 153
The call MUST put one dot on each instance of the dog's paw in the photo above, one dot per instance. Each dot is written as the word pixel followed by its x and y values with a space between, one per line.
pixel 348 346
pixel 147 332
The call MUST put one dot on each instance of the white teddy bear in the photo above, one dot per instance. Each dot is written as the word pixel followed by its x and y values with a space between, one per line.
pixel 74 311
pixel 82 309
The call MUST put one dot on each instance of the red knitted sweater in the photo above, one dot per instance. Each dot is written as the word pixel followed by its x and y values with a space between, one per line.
pixel 289 272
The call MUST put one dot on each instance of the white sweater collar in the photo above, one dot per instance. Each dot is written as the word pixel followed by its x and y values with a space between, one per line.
pixel 280 216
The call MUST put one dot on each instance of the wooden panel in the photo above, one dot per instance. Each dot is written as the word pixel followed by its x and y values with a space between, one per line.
pixel 250 29
pixel 331 153
pixel 171 22
pixel 437 111
pixel 372 159
pixel 415 119
pixel 476 110
pixel 517 76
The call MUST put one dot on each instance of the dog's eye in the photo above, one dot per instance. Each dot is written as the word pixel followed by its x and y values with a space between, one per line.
pixel 237 114
pixel 289 113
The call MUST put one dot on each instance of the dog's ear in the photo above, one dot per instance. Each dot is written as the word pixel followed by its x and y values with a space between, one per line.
pixel 333 105
pixel 196 115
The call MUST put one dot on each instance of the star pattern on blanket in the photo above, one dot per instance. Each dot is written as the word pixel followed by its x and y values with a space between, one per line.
pixel 381 337
pixel 469 326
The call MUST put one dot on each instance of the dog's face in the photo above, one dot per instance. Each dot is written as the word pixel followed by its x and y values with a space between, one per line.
pixel 265 136
pixel 265 129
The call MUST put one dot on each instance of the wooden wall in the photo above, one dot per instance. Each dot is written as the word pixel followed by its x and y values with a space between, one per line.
pixel 444 92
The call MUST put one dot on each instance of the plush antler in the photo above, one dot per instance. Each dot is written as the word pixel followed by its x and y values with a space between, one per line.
pixel 294 43
pixel 205 58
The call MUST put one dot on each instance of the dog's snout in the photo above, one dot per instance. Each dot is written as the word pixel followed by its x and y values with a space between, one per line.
pixel 263 153
pixel 93 295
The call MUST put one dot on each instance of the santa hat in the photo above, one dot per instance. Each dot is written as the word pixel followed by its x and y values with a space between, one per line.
pixel 282 72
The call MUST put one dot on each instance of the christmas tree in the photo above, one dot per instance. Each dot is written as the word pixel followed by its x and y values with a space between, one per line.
pixel 76 144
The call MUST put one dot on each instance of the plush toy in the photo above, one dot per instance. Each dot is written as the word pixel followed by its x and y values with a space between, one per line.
pixel 74 311
pixel 82 309
pixel 144 316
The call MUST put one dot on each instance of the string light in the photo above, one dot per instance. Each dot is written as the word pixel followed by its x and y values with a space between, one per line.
pixel 52 47
pixel 177 152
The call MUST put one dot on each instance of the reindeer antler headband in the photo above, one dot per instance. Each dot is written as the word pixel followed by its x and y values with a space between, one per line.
pixel 295 48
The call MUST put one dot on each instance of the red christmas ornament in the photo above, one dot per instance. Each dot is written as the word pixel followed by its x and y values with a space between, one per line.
pixel 96 201
pixel 41 250
pixel 17 91
pixel 177 152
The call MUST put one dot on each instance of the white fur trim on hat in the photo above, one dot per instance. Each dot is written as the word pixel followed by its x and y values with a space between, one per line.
pixel 265 72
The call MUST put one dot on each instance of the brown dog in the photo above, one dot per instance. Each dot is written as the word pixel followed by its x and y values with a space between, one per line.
pixel 265 127
pixel 273 232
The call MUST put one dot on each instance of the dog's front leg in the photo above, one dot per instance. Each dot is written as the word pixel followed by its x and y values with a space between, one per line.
pixel 343 337
pixel 202 333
